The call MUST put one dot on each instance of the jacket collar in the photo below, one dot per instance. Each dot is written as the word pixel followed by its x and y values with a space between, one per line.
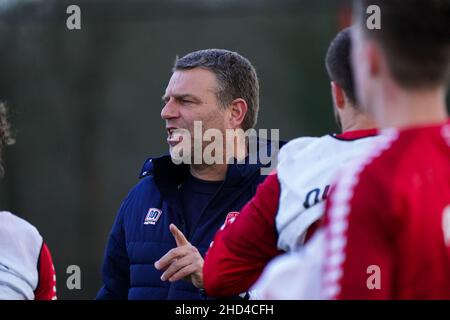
pixel 166 173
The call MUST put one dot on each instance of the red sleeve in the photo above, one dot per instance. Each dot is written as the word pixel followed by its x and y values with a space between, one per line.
pixel 241 249
pixel 359 249
pixel 46 289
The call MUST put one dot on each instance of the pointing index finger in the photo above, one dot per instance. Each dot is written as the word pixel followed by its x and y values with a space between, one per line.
pixel 180 239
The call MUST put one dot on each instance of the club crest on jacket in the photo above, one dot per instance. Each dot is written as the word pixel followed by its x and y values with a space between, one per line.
pixel 152 216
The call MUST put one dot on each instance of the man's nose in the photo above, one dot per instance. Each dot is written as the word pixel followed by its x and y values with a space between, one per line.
pixel 170 110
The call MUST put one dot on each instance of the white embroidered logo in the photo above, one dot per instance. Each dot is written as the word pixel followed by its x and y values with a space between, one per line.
pixel 152 216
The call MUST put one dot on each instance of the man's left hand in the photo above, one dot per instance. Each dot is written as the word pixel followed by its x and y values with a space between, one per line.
pixel 184 261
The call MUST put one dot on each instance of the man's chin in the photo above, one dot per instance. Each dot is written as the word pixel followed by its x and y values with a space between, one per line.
pixel 179 157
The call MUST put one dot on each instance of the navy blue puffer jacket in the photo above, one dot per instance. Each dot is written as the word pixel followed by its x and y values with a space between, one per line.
pixel 135 243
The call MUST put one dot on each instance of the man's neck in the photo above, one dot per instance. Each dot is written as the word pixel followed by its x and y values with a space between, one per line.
pixel 216 172
pixel 358 121
pixel 402 109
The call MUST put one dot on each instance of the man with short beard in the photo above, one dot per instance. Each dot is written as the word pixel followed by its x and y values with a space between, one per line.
pixel 166 223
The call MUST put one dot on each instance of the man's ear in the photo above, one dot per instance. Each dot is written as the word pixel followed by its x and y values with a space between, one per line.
pixel 338 95
pixel 237 111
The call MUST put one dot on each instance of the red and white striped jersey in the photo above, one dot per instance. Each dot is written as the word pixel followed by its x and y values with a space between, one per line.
pixel 386 233
pixel 388 221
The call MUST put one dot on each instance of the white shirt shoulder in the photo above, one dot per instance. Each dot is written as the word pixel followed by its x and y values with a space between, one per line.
pixel 20 247
pixel 306 170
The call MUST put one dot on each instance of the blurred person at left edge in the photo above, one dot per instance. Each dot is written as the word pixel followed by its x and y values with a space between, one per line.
pixel 26 265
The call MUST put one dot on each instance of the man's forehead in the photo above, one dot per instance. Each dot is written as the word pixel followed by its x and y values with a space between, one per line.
pixel 192 81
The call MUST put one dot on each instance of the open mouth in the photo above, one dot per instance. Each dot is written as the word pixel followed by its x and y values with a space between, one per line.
pixel 174 136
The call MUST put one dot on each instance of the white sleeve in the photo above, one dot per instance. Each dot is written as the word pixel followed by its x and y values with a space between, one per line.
pixel 293 276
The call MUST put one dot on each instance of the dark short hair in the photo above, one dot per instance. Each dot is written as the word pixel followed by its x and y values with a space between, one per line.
pixel 235 75
pixel 5 133
pixel 415 37
pixel 338 64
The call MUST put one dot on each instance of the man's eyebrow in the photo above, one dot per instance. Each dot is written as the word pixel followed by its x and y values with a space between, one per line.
pixel 181 97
